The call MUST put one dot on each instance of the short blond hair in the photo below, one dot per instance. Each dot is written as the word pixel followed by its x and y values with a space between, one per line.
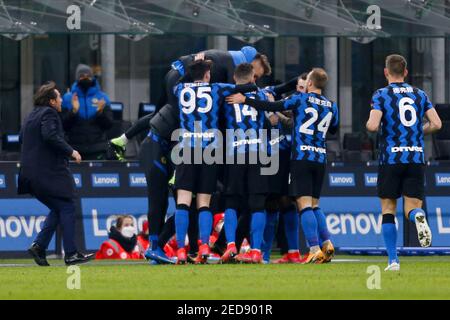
pixel 319 78
pixel 396 65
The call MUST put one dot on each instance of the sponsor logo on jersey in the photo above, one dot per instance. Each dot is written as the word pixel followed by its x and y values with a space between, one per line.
pixel 246 142
pixel 406 149
pixel 277 140
pixel 203 135
pixel 313 149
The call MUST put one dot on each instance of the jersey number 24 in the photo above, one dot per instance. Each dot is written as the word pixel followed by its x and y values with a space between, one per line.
pixel 321 127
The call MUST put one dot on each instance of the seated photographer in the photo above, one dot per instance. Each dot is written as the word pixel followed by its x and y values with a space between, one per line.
pixel 122 242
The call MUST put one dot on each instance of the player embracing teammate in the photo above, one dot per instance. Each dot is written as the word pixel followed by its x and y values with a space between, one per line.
pixel 199 104
pixel 314 115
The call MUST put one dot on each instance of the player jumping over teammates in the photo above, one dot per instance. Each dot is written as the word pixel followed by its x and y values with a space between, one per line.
pixel 314 116
pixel 397 113
pixel 199 103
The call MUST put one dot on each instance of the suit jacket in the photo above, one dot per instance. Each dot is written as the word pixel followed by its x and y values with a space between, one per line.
pixel 45 156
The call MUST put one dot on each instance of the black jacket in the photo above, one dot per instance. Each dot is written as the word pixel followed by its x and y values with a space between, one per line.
pixel 86 130
pixel 44 165
pixel 222 68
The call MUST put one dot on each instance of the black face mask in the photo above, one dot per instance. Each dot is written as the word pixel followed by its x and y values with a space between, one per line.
pixel 85 84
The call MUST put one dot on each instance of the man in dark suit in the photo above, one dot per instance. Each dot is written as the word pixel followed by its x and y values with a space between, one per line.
pixel 45 173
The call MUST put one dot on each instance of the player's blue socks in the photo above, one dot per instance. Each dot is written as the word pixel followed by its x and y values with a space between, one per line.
pixel 257 229
pixel 230 225
pixel 291 229
pixel 181 224
pixel 413 213
pixel 269 234
pixel 153 241
pixel 322 228
pixel 205 224
pixel 390 236
pixel 309 225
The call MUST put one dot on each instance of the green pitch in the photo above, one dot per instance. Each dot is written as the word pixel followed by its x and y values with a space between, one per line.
pixel 420 278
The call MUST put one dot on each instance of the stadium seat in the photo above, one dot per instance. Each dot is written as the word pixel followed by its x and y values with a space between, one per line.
pixel 352 156
pixel 117 110
pixel 10 147
pixel 334 150
pixel 444 111
pixel 358 147
pixel 132 151
pixel 145 108
pixel 352 142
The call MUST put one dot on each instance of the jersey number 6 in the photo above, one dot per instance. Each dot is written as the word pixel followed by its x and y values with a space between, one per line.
pixel 406 104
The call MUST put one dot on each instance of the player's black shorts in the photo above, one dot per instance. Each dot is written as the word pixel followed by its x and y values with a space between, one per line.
pixel 279 183
pixel 396 180
pixel 197 178
pixel 306 178
pixel 244 179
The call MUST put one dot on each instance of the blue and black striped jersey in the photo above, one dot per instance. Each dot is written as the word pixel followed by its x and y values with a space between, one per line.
pixel 245 122
pixel 314 114
pixel 283 140
pixel 401 138
pixel 199 105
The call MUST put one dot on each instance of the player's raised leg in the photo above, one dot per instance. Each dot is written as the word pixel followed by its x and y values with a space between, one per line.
pixel 415 213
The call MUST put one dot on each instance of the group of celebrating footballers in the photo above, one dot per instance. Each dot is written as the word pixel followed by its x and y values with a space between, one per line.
pixel 215 92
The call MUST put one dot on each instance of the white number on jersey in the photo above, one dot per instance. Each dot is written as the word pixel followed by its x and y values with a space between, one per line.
pixel 321 127
pixel 247 111
pixel 405 105
pixel 190 104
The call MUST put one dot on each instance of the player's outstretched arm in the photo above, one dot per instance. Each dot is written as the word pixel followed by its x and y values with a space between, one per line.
pixel 373 124
pixel 286 87
pixel 434 122
pixel 227 90
pixel 244 88
pixel 258 104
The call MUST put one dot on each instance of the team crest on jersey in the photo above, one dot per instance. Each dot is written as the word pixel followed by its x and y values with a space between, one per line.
pixel 94 101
